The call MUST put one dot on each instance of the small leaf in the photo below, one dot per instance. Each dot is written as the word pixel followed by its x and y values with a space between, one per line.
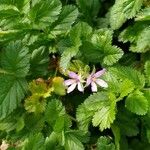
pixel 147 71
pixel 72 142
pixel 34 142
pixel 98 108
pixel 58 85
pixel 143 15
pixel 105 143
pixel 39 62
pixel 137 103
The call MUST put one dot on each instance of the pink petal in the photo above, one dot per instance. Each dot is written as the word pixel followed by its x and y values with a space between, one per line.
pixel 93 87
pixel 71 88
pixel 101 83
pixel 80 87
pixel 99 73
pixel 69 82
pixel 73 75
pixel 89 80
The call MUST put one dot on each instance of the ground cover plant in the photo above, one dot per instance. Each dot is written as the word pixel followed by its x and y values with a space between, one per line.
pixel 75 74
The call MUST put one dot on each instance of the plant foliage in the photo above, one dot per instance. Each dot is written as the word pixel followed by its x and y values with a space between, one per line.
pixel 74 74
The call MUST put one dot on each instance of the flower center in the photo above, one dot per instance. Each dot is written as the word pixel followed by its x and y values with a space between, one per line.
pixel 94 79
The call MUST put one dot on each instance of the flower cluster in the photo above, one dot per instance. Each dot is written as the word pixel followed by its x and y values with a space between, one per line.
pixel 76 80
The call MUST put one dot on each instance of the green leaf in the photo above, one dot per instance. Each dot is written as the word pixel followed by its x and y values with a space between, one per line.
pixel 143 42
pixel 117 17
pixel 89 8
pixel 37 101
pixel 21 5
pixel 123 121
pixel 143 15
pixel 12 91
pixel 100 108
pixel 72 142
pixel 56 117
pixel 51 142
pixel 71 47
pixel 131 74
pixel 43 13
pixel 131 33
pixel 34 123
pixel 116 132
pixel 113 54
pixel 8 11
pixel 105 143
pixel 58 85
pixel 66 18
pixel 125 88
pixel 15 59
pixel 10 123
pixel 15 63
pixel 147 71
pixel 34 142
pixel 39 62
pixel 100 48
pixel 137 103
pixel 67 56
pixel 131 7
pixel 123 10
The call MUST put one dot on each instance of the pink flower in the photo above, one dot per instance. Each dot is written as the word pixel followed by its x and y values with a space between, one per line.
pixel 75 80
pixel 94 80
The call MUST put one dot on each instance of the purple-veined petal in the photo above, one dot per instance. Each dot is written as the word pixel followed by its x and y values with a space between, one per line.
pixel 101 83
pixel 73 75
pixel 71 87
pixel 69 82
pixel 93 87
pixel 80 87
pixel 99 73
pixel 89 80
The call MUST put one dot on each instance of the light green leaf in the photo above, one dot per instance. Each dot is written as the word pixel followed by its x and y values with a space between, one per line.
pixel 143 15
pixel 131 7
pixel 43 13
pixel 67 56
pixel 66 18
pixel 143 42
pixel 72 142
pixel 123 10
pixel 100 108
pixel 131 74
pixel 71 48
pixel 117 17
pixel 137 103
pixel 131 33
pixel 125 88
pixel 58 85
